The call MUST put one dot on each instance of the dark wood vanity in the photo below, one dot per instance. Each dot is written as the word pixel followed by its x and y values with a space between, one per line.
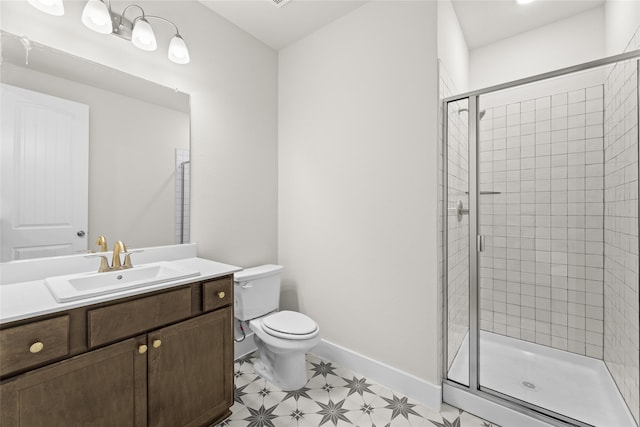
pixel 157 359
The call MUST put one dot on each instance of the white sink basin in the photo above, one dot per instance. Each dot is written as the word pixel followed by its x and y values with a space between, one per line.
pixel 84 285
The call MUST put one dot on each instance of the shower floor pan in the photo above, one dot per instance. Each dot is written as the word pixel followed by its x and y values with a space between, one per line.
pixel 576 386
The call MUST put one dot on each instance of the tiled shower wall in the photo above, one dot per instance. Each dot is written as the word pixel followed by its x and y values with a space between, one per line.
pixel 621 296
pixel 541 172
pixel 457 117
pixel 183 196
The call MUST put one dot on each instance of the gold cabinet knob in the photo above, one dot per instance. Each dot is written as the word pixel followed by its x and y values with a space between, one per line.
pixel 157 343
pixel 221 294
pixel 36 347
pixel 142 349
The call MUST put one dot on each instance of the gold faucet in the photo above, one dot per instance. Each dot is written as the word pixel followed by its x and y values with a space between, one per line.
pixel 118 250
pixel 102 242
pixel 104 263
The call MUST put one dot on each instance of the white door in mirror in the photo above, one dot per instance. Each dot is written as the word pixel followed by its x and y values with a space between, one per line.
pixel 45 169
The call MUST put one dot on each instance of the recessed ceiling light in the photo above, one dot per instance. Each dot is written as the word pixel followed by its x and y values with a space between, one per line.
pixel 524 1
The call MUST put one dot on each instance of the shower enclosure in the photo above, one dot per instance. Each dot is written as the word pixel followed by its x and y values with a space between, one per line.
pixel 540 247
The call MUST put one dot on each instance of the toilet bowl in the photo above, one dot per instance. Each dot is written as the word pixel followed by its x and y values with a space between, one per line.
pixel 282 353
pixel 282 337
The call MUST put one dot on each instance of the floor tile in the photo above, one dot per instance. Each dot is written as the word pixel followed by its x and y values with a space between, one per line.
pixel 333 397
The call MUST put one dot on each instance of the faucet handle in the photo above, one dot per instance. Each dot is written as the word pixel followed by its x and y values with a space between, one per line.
pixel 127 257
pixel 104 263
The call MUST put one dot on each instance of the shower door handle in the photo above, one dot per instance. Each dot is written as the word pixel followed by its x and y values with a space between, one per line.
pixel 459 210
pixel 480 241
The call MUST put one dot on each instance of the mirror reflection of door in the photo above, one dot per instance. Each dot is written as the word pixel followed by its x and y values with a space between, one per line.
pixel 44 188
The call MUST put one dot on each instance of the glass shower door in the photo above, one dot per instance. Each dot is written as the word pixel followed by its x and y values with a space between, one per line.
pixel 532 204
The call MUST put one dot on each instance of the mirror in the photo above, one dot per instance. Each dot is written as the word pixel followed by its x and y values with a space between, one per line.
pixel 138 153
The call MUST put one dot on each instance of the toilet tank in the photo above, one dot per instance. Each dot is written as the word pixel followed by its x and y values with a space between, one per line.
pixel 256 291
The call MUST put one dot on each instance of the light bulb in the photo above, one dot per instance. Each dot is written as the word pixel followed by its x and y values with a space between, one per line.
pixel 52 7
pixel 96 16
pixel 142 35
pixel 178 51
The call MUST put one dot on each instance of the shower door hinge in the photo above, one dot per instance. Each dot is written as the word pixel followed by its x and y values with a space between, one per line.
pixel 480 241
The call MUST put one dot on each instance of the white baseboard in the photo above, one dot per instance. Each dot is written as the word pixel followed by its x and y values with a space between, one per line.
pixel 415 388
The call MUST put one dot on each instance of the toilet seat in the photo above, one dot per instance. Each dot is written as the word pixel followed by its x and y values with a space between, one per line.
pixel 290 325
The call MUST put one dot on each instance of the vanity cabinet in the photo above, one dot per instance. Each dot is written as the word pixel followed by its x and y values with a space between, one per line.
pixel 105 387
pixel 163 359
pixel 186 386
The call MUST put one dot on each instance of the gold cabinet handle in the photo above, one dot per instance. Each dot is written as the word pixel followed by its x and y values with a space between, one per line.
pixel 142 349
pixel 221 294
pixel 157 343
pixel 36 347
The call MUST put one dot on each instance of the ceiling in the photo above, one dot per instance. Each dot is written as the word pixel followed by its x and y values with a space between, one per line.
pixel 482 21
pixel 280 26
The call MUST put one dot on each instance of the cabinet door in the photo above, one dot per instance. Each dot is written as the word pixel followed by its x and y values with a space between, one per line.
pixel 105 387
pixel 191 371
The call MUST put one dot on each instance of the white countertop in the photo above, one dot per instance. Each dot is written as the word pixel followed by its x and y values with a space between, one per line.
pixel 28 299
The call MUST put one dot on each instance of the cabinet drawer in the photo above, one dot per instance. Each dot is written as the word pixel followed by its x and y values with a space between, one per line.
pixel 33 344
pixel 114 322
pixel 217 293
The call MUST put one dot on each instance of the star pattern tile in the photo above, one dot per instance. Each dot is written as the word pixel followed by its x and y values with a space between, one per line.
pixel 323 369
pixel 333 397
pixel 400 406
pixel 358 385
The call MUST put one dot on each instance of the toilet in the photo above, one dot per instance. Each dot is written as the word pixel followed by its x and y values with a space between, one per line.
pixel 282 337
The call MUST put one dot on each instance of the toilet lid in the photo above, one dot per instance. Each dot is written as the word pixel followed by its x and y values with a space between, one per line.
pixel 289 324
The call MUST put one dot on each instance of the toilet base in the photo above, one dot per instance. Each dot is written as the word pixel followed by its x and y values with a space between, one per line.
pixel 286 371
pixel 262 370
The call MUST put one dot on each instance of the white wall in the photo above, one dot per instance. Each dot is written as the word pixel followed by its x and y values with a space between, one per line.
pixel 571 41
pixel 452 47
pixel 622 19
pixel 232 79
pixel 358 174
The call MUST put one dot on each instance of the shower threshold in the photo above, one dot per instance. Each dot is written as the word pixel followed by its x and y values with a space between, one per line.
pixel 576 386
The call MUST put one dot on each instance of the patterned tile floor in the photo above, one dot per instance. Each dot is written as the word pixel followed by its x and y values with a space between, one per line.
pixel 333 397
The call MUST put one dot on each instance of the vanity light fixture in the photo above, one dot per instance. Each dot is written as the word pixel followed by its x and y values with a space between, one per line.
pixel 52 7
pixel 524 1
pixel 99 17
